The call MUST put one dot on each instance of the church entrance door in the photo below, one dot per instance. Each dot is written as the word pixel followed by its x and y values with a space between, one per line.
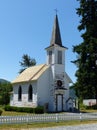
pixel 59 104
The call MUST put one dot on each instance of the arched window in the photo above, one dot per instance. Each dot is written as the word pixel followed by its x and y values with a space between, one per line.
pixel 19 93
pixel 30 93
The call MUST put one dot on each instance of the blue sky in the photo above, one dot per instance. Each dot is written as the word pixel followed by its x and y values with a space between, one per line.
pixel 26 27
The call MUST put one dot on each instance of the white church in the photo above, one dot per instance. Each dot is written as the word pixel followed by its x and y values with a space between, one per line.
pixel 45 84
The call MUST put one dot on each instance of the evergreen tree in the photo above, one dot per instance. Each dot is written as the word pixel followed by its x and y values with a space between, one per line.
pixel 86 84
pixel 26 62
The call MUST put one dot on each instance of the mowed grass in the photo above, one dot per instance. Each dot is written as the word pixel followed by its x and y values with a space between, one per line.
pixel 43 125
pixel 11 113
pixel 89 111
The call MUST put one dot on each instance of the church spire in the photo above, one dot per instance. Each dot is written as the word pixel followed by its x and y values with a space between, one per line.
pixel 56 37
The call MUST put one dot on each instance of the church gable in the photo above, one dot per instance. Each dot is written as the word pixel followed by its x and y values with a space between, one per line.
pixel 68 78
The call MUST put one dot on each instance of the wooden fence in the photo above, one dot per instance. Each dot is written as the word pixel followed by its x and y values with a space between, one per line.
pixel 33 118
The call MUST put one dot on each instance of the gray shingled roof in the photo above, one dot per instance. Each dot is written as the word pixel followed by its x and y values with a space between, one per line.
pixel 56 37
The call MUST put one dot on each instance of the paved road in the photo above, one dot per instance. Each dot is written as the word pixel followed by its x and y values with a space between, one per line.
pixel 77 127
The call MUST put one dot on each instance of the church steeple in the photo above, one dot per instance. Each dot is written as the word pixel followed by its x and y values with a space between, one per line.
pixel 55 52
pixel 56 36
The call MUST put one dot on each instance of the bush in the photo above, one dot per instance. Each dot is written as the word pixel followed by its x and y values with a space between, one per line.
pixel 7 108
pixel 0 112
pixel 92 107
pixel 37 110
pixel 83 107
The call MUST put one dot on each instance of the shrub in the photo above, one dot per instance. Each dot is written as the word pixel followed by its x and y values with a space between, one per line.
pixel 92 107
pixel 7 108
pixel 83 107
pixel 95 106
pixel 37 110
pixel 0 112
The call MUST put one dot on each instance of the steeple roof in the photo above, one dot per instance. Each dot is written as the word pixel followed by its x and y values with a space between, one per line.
pixel 56 36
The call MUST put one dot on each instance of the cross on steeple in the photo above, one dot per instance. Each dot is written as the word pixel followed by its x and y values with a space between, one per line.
pixel 56 11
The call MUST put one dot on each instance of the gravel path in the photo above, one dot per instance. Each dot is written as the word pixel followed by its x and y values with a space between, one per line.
pixel 77 127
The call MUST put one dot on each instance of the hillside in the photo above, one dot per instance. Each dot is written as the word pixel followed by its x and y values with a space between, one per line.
pixel 3 81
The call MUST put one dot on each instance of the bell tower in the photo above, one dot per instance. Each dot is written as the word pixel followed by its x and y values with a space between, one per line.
pixel 56 51
pixel 56 60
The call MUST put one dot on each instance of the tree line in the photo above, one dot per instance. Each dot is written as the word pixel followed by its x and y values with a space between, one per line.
pixel 86 52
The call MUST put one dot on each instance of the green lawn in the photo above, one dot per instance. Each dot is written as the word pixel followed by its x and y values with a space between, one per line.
pixel 12 113
pixel 89 110
pixel 8 113
pixel 39 125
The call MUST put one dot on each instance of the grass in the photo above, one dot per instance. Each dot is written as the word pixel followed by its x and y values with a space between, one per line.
pixel 43 125
pixel 11 113
pixel 91 110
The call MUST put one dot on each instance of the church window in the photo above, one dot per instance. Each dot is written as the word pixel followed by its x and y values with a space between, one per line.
pixel 30 92
pixel 59 57
pixel 19 93
pixel 50 57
